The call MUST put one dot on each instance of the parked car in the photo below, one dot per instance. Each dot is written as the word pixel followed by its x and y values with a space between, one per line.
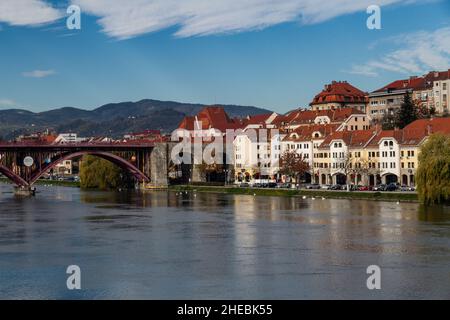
pixel 380 187
pixel 406 188
pixel 336 187
pixel 391 187
pixel 284 185
pixel 244 185
pixel 364 188
pixel 313 186
pixel 325 186
pixel 272 185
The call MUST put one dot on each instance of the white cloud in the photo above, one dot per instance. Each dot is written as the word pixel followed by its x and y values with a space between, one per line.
pixel 38 73
pixel 124 19
pixel 418 52
pixel 27 12
pixel 7 103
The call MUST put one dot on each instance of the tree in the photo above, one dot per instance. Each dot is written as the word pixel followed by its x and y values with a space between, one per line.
pixel 97 173
pixel 388 121
pixel 433 173
pixel 293 165
pixel 359 167
pixel 407 112
pixel 345 166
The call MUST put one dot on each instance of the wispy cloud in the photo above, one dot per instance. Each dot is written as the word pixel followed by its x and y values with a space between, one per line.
pixel 38 73
pixel 415 53
pixel 7 103
pixel 124 19
pixel 27 12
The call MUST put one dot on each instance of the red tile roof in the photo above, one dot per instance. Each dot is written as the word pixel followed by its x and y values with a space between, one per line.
pixel 357 138
pixel 412 83
pixel 415 132
pixel 211 117
pixel 302 116
pixel 340 92
pixel 305 133
pixel 257 119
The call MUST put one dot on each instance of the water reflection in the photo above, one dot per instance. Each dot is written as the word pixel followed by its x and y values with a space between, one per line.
pixel 199 245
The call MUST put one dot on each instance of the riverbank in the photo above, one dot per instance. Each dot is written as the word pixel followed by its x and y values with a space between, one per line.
pixel 56 183
pixel 363 195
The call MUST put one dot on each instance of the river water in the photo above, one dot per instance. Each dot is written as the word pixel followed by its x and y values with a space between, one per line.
pixel 165 245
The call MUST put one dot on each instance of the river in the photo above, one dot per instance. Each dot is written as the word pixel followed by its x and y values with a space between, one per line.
pixel 164 245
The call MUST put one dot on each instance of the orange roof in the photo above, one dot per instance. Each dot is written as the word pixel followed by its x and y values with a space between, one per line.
pixel 305 133
pixel 412 83
pixel 211 117
pixel 302 116
pixel 415 132
pixel 340 92
pixel 357 138
pixel 257 119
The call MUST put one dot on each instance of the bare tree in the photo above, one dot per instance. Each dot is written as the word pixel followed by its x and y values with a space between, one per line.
pixel 293 165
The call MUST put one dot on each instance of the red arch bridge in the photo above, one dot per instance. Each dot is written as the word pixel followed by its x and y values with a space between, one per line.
pixel 147 162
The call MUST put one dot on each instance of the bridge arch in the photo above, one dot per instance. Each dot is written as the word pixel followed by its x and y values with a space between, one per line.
pixel 119 161
pixel 18 180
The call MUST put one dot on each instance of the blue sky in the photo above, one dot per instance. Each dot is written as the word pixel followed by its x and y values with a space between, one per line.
pixel 274 54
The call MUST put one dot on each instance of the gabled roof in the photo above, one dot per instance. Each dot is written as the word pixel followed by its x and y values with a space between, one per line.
pixel 340 92
pixel 414 133
pixel 211 117
pixel 302 116
pixel 257 119
pixel 353 139
pixel 305 133
pixel 413 83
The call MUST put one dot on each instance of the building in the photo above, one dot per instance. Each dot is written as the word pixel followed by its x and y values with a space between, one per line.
pixel 340 94
pixel 388 99
pixel 256 154
pixel 348 118
pixel 441 91
pixel 144 135
pixel 305 141
pixel 430 91
pixel 38 137
pixel 64 138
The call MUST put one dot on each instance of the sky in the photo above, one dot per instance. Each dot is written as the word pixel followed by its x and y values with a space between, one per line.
pixel 272 54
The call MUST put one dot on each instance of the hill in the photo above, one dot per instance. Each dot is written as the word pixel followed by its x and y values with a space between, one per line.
pixel 114 119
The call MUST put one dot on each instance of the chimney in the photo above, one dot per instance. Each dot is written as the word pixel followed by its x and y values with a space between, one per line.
pixel 429 129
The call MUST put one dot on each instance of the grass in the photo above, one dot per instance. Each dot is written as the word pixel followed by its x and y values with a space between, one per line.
pixel 382 196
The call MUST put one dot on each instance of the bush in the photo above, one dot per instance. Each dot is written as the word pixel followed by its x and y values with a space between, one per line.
pixel 97 173
pixel 433 174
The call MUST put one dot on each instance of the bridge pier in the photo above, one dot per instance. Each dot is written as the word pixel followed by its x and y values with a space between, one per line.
pixel 24 191
pixel 159 159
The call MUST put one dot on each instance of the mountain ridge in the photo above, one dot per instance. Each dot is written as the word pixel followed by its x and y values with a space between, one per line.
pixel 112 119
